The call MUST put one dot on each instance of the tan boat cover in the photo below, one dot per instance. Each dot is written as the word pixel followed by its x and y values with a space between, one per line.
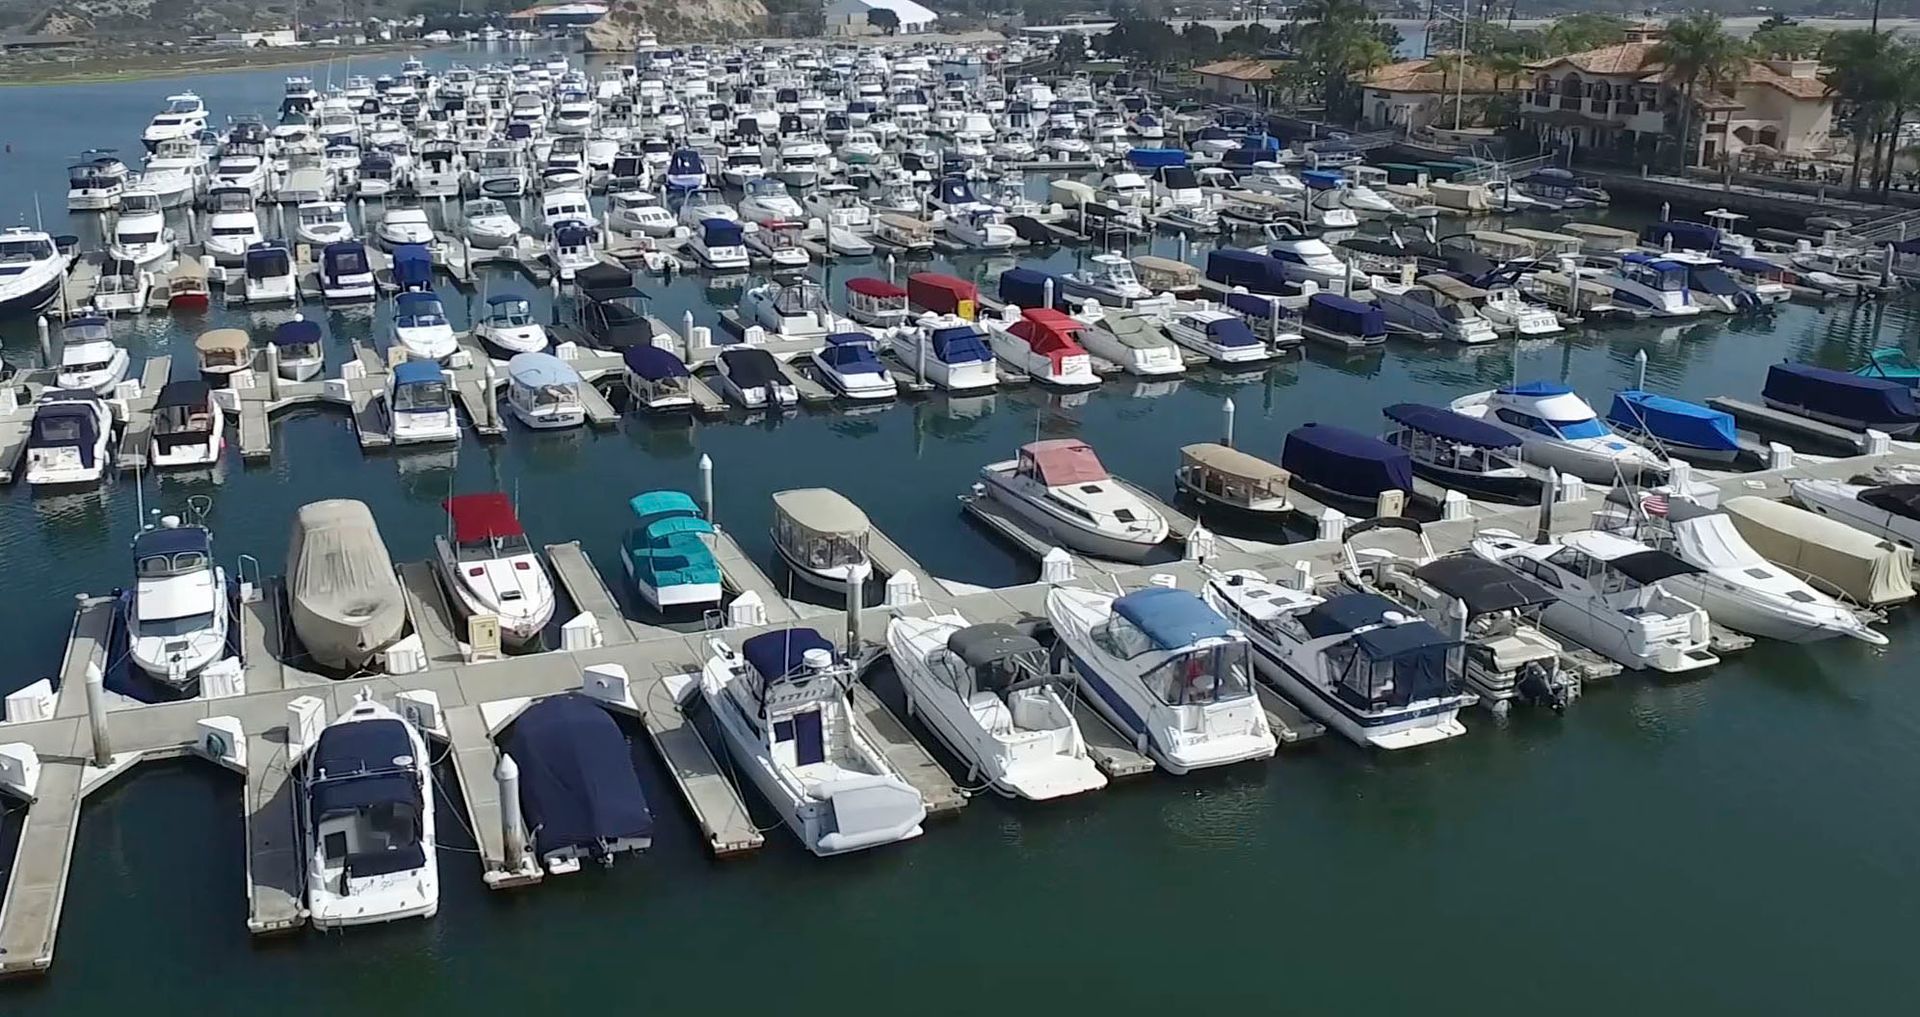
pixel 1828 553
pixel 1234 463
pixel 822 510
pixel 346 601
pixel 1178 272
pixel 222 340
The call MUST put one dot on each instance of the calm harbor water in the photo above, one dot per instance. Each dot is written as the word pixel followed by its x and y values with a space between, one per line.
pixel 1739 843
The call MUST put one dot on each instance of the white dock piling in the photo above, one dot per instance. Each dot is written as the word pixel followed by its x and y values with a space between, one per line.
pixel 1457 620
pixel 1056 566
pixel 1779 456
pixel 273 371
pixel 890 264
pixel 706 487
pixel 46 341
pixel 920 364
pixel 1331 523
pixel 487 397
pixel 1640 370
pixel 686 330
pixel 513 834
pixel 97 715
pixel 856 603
pixel 1548 488
pixel 1046 293
pixel 1226 422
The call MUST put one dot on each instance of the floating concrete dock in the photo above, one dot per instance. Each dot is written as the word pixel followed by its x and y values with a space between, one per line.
pixel 908 756
pixel 1771 421
pixel 276 891
pixel 588 591
pixel 1109 749
pixel 136 434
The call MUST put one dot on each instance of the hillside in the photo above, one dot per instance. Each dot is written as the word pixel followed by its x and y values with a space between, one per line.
pixel 674 20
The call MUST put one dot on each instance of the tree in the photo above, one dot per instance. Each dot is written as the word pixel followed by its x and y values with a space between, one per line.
pixel 1200 42
pixel 1336 40
pixel 1696 50
pixel 1577 32
pixel 885 19
pixel 1070 49
pixel 1787 41
pixel 1864 71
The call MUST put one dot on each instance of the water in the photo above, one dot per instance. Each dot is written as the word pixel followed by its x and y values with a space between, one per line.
pixel 1735 843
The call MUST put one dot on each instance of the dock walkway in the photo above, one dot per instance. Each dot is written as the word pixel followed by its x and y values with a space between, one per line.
pixel 891 737
pixel 588 591
pixel 275 890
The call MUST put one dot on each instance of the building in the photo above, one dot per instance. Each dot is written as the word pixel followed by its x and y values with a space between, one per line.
pixel 274 38
pixel 1413 94
pixel 1617 102
pixel 1237 79
pixel 855 17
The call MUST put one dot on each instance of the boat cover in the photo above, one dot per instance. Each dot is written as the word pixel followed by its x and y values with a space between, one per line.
pixel 478 517
pixel 867 286
pixel 778 654
pixel 345 258
pixel 1345 315
pixel 847 351
pixel 412 267
pixel 1230 332
pixel 1064 461
pixel 1154 158
pixel 1322 180
pixel 1686 236
pixel 1254 305
pixel 1742 263
pixel 1713 541
pixel 1483 585
pixel 418 309
pixel 1839 394
pixel 577 782
pixel 222 340
pixel 1863 567
pixel 265 260
pixel 1418 650
pixel 90 329
pixel 1444 423
pixel 654 504
pixel 1674 420
pixel 1651 566
pixel 1172 618
pixel 1177 178
pixel 1026 287
pixel 821 510
pixel 1898 499
pixel 1049 332
pixel 297 332
pixel 982 646
pixel 720 232
pixel 960 344
pixel 541 370
pixel 1257 272
pixel 752 368
pixel 1347 462
pixel 346 601
pixel 603 276
pixel 571 233
pixel 193 393
pixel 67 423
pixel 653 363
pixel 942 294
pixel 1232 462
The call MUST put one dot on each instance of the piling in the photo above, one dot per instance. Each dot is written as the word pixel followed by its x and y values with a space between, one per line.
pixel 856 602
pixel 486 395
pixel 686 331
pixel 273 371
pixel 553 292
pixel 890 264
pixel 513 832
pixel 706 486
pixel 46 341
pixel 1548 488
pixel 97 715
pixel 920 365
pixel 1046 292
pixel 1226 422
pixel 1457 620
pixel 1640 370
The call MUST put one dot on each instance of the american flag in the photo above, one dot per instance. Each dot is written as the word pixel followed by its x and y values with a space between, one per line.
pixel 1653 503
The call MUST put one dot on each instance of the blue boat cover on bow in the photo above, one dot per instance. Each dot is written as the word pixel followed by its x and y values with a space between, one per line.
pixel 960 344
pixel 1171 618
pixel 417 372
pixel 1673 420
pixel 1348 462
pixel 296 332
pixel 1027 287
pixel 1253 305
pixel 1257 272
pixel 720 232
pixel 1322 180
pixel 577 782
pixel 1345 315
pixel 1686 236
pixel 851 351
pixel 1839 394
pixel 653 363
pixel 1231 332
pixel 412 266
pixel 1151 158
pixel 1444 423
pixel 778 654
pixel 345 258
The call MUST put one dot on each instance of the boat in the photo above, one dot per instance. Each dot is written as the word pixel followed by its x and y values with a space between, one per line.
pixel 543 391
pixel 140 231
pixel 876 302
pixel 345 601
pixel 269 275
pixel 489 569
pixel 509 329
pixel 420 404
pixel 579 794
pixel 1221 336
pixel 224 354
pixel 718 245
pixel 1609 596
pixel 1712 288
pixel 420 327
pixel 1343 322
pixel 1111 281
pixel 301 349
pixel 1746 592
pixel 796 310
pixel 981 228
pixel 657 380
pixel 685 171
pixel 666 553
pixel 1888 511
pixel 637 212
pixel 1559 431
pixel 176 175
pixel 850 367
pixel 412 268
pixel 90 361
pixel 1460 453
pixel 1893 364
pixel 346 273
pixel 1675 427
pixel 1060 488
pixel 988 692
pixel 1435 305
pixel 90 188
pixel 32 267
pixel 401 226
pixel 68 440
pixel 1044 344
pixel 177 612
pixel 1129 339
pixel 1346 469
pixel 367 821
pixel 943 294
pixel 1842 399
pixel 1510 310
pixel 570 248
pixel 1654 283
pixel 766 200
pixel 754 380
pixel 188 428
pixel 1227 479
pixel 947 350
pixel 903 233
pixel 187 288
pixel 781 706
pixel 1836 557
pixel 321 223
pixel 1168 671
pixel 822 537
pixel 233 226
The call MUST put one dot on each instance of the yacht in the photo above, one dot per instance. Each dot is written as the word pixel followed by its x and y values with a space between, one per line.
pixel 90 361
pixel 1059 487
pixel 1608 594
pixel 637 212
pixel 767 201
pixel 1435 308
pixel 947 350
pixel 320 223
pixel 720 245
pixel 1044 344
pixel 366 819
pixel 781 706
pixel 704 204
pixel 1747 593
pixel 177 173
pixel 32 268
pixel 91 189
pixel 405 225
pixel 183 117
pixel 1304 259
pixel 989 693
pixel 177 611
pixel 666 553
pixel 1888 511
pixel 742 164
pixel 140 231
pixel 243 166
pixel 420 404
pixel 1221 336
pixel 509 327
pixel 488 226
pixel 269 275
pixel 499 173
pixel 1559 431
pixel 754 380
pixel 346 273
pixel 1109 278
pixel 232 225
pixel 1168 671
pixel 68 440
pixel 1355 661
pixel 1652 282
pixel 982 229
pixel 420 327
pixel 489 568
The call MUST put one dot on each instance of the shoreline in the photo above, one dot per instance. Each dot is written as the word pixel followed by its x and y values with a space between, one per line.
pixel 94 70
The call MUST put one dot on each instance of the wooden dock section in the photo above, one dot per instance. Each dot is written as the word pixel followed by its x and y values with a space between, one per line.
pixel 588 591
pixel 1111 752
pixel 76 291
pixel 812 393
pixel 715 804
pixel 275 876
pixel 889 558
pixel 906 753
pixel 474 757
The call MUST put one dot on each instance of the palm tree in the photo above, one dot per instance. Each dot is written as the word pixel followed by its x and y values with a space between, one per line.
pixel 1696 49
pixel 1864 72
pixel 1338 41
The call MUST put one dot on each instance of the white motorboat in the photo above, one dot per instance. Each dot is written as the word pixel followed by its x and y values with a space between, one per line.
pixel 1609 595
pixel 404 225
pixel 1130 339
pixel 850 367
pixel 243 166
pixel 320 223
pixel 638 212
pixel 980 228
pixel 1651 282
pixel 488 225
pixel 1508 309
pixel 781 705
pixel 420 404
pixel 301 349
pixel 742 164
pixel 420 327
pixel 1558 430
pixel 509 327
pixel 989 694
pixel 657 379
pixel 122 288
pixel 140 231
pixel 177 174
pixel 796 310
pixel 490 569
pixel 91 189
pixel 1221 336
pixel 754 380
pixel 720 244
pixel 1888 511
pixel 1747 593
pixel 499 173
pixel 184 116
pixel 800 163
pixel 947 350
pixel 1109 278
pixel 767 201
pixel 1168 671
pixel 1270 178
pixel 1436 305
pixel 346 273
pixel 90 361
pixel 439 173
pixel 269 275
pixel 32 267
pixel 543 392
pixel 1305 259
pixel 571 248
pixel 822 537
pixel 68 440
pixel 177 612
pixel 188 427
pixel 705 204
pixel 1060 487
pixel 1044 344
pixel 367 821
pixel 233 225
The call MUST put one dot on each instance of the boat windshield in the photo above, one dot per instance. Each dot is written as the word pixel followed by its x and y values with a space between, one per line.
pixel 1215 674
pixel 1569 430
pixel 517 314
pixel 25 250
pixel 420 397
pixel 179 563
pixel 164 628
pixel 496 546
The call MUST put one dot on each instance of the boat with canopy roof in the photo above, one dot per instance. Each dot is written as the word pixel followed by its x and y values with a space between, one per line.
pixel 489 567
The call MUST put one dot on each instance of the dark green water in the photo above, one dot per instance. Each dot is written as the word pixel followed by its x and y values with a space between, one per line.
pixel 1739 843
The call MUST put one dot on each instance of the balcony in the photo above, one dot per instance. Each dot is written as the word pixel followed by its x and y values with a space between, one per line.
pixel 1597 105
pixel 1570 102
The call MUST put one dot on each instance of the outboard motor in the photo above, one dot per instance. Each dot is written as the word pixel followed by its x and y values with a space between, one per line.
pixel 1537 687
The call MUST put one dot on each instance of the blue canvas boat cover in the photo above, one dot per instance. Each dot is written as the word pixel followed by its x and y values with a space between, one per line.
pixel 778 654
pixel 955 191
pixel 574 234
pixel 1256 272
pixel 1674 420
pixel 345 258
pixel 1231 332
pixel 1348 462
pixel 685 163
pixel 1686 236
pixel 653 363
pixel 1150 158
pixel 378 745
pixel 419 305
pixel 1417 650
pixel 851 351
pixel 539 370
pixel 66 424
pixel 1839 394
pixel 412 266
pixel 296 332
pixel 1322 180
pixel 417 372
pixel 1345 315
pixel 653 504
pixel 1253 305
pixel 1027 287
pixel 1444 423
pixel 720 232
pixel 172 540
pixel 1742 263
pixel 960 344
pixel 577 782
pixel 1171 618
pixel 1347 612
pixel 1536 388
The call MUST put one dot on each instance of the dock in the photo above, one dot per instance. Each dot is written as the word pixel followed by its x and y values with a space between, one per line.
pixel 740 574
pixel 136 433
pixel 1111 752
pixel 1289 724
pixel 715 804
pixel 433 620
pixel 588 591
pixel 890 559
pixel 275 880
pixel 474 758
pixel 907 755
pixel 1768 420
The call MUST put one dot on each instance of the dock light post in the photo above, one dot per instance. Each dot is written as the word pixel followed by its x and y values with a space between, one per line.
pixel 706 486
pixel 1640 370
pixel 97 715
pixel 46 341
pixel 514 835
pixel 1226 422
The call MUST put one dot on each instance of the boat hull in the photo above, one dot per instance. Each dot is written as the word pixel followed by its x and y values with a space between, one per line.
pixel 1076 538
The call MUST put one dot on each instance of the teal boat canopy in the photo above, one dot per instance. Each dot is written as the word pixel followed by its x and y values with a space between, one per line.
pixel 660 529
pixel 671 553
pixel 662 503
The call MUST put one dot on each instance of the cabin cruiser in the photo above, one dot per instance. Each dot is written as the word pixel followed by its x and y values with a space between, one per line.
pixel 766 201
pixel 500 173
pixel 1888 511
pixel 1109 279
pixel 1130 339
pixel 1712 288
pixel 844 217
pixel 980 228
pixel 488 226
pixel 232 225
pixel 184 116
pixel 321 223
pixel 90 361
pixel 244 166
pixel 177 612
pixel 188 427
pixel 570 248
pixel 122 288
pixel 1060 487
pixel 420 404
pixel 822 537
pixel 301 349
pixel 509 327
pixel 367 821
pixel 657 379
pixel 91 189
pixel 1436 305
pixel 177 174
pixel 489 568
pixel 421 328
pixel 754 380
pixel 781 705
pixel 850 367
pixel 720 244
pixel 666 554
pixel 68 440
pixel 685 171
pixel 947 350
pixel 543 392
pixel 796 310
pixel 988 692
pixel 140 232
pixel 1305 259
pixel 32 267
pixel 1652 282
pixel 1509 310
pixel 1168 671
pixel 637 212
pixel 742 164
pixel 800 163
pixel 406 225
pixel 1044 344
pixel 1852 401
pixel 269 275
pixel 225 356
pixel 1609 595
pixel 346 273
pixel 1221 336
pixel 1559 431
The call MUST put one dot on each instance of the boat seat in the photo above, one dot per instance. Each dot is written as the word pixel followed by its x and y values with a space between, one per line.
pixel 991 713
